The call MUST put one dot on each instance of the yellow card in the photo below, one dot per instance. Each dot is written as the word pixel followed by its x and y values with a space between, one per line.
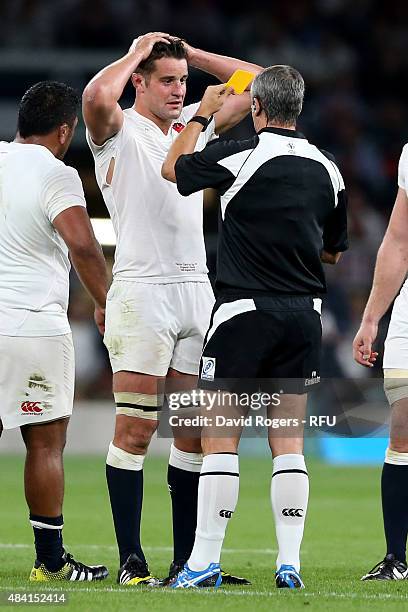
pixel 240 80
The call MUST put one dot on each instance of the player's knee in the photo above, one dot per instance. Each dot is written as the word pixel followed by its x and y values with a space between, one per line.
pixel 396 387
pixel 285 446
pixel 135 438
pixel 47 438
pixel 219 445
pixel 188 445
pixel 398 445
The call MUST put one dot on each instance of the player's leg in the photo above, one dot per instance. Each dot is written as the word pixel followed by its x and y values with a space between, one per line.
pixel 185 463
pixel 289 486
pixel 37 396
pixel 137 401
pixel 44 492
pixel 219 477
pixel 294 361
pixel 140 342
pixel 217 493
pixel 394 482
pixel 217 499
pixel 183 474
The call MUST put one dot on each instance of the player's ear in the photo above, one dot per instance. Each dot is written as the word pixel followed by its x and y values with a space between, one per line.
pixel 256 107
pixel 138 81
pixel 63 133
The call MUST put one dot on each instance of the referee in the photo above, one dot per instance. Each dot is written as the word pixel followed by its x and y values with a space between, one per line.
pixel 282 214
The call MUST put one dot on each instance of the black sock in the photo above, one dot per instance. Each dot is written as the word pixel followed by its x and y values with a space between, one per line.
pixel 183 487
pixel 126 498
pixel 48 540
pixel 394 492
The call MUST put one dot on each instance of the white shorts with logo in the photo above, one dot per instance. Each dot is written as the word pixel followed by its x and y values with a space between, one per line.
pixel 36 379
pixel 151 327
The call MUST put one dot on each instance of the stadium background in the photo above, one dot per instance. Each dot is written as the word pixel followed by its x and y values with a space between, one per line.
pixel 352 56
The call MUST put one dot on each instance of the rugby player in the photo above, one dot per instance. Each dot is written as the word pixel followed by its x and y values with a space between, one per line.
pixel 282 214
pixel 43 219
pixel 390 283
pixel 160 301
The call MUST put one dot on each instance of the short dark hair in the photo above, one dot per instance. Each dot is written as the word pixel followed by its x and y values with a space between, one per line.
pixel 175 48
pixel 280 91
pixel 46 106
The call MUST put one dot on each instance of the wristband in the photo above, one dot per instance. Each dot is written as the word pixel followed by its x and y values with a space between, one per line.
pixel 203 120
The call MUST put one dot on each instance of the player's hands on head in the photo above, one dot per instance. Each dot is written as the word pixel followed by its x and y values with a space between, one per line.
pixel 363 343
pixel 144 44
pixel 214 99
pixel 189 49
pixel 99 316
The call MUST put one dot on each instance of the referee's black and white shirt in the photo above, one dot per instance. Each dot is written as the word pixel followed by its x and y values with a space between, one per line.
pixel 282 202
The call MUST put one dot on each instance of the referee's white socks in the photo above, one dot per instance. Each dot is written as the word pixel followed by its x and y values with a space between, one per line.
pixel 217 499
pixel 289 497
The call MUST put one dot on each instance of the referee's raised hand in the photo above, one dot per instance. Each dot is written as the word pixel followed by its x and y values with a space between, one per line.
pixel 363 342
pixel 213 99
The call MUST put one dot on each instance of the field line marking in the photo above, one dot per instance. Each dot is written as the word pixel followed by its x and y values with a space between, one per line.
pixel 250 551
pixel 212 593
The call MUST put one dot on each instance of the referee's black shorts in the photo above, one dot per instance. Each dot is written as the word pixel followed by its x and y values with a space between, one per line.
pixel 263 342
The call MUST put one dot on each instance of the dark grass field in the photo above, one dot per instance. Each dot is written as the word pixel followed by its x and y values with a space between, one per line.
pixel 343 540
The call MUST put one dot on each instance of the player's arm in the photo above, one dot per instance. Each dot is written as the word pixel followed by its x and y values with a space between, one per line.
pixel 222 67
pixel 75 228
pixel 213 100
pixel 102 113
pixel 390 272
pixel 335 240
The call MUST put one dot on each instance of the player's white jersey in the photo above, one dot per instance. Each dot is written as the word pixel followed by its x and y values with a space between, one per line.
pixel 403 169
pixel 34 266
pixel 159 233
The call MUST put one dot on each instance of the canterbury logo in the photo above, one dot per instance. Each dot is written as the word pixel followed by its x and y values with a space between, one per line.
pixel 226 513
pixel 31 407
pixel 292 512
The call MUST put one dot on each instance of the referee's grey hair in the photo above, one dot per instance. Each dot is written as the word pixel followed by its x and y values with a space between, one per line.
pixel 280 91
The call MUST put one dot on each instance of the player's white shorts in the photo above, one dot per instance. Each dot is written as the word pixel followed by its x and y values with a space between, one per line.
pixel 150 328
pixel 36 379
pixel 396 343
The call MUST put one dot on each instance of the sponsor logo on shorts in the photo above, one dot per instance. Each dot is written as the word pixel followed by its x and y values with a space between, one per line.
pixel 208 369
pixel 314 380
pixel 31 408
pixel 292 512
pixel 226 513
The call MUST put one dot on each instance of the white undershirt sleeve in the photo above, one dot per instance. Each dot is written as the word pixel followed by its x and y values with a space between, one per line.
pixel 403 168
pixel 62 189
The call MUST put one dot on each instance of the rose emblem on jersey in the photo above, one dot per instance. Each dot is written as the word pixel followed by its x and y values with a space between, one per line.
pixel 178 127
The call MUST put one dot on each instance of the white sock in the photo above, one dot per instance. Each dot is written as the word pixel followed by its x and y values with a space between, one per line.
pixel 217 499
pixel 190 462
pixel 289 497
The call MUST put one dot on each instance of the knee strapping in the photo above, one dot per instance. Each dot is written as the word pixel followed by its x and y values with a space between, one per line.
pixel 395 384
pixel 123 460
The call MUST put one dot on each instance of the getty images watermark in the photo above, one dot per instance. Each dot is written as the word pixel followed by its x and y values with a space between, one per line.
pixel 345 407
pixel 188 409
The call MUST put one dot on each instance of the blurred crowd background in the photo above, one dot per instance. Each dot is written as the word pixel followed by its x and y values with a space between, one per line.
pixel 352 56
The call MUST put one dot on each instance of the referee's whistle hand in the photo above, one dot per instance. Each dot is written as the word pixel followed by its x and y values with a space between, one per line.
pixel 214 99
pixel 363 342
